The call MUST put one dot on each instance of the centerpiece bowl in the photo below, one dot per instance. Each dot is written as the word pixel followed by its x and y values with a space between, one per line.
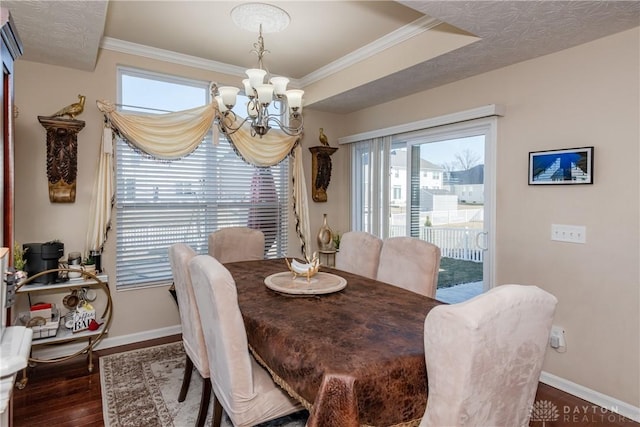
pixel 308 269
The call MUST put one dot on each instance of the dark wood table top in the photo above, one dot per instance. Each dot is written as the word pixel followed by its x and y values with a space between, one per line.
pixel 353 357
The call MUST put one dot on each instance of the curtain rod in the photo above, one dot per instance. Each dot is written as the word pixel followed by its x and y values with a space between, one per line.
pixel 142 108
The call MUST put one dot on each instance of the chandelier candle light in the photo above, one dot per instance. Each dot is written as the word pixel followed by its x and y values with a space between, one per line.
pixel 252 16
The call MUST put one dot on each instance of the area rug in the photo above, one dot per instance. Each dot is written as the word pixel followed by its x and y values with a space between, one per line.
pixel 140 388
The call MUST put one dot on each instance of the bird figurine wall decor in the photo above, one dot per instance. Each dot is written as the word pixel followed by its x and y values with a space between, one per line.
pixel 323 138
pixel 72 110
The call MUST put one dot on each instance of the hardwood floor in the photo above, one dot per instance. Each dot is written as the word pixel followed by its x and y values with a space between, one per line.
pixel 67 395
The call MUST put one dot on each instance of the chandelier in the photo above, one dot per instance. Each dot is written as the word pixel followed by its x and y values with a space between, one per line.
pixel 270 103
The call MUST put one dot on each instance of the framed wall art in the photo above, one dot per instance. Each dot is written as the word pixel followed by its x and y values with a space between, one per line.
pixel 565 166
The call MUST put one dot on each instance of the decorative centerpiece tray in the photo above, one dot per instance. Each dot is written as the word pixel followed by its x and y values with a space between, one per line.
pixel 320 283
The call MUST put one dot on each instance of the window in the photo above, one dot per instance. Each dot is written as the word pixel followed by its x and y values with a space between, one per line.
pixel 397 192
pixel 400 207
pixel 159 203
pixel 463 153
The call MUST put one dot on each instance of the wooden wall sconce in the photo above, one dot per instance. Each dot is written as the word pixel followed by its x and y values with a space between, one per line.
pixel 321 171
pixel 62 157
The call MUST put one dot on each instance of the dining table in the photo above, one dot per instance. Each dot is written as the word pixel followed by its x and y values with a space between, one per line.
pixel 353 357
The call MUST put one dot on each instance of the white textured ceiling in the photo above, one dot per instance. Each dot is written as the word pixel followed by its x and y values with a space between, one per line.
pixel 66 33
pixel 321 33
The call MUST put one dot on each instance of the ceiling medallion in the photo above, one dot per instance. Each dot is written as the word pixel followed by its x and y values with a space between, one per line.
pixel 252 16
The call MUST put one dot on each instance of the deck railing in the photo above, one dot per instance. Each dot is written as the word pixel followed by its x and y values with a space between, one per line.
pixel 457 243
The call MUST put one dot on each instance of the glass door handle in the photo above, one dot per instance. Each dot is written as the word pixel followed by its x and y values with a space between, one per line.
pixel 484 240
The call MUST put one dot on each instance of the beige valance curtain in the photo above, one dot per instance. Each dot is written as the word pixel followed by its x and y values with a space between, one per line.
pixel 164 136
pixel 174 135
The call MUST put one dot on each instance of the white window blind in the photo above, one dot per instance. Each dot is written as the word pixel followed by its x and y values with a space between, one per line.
pixel 159 203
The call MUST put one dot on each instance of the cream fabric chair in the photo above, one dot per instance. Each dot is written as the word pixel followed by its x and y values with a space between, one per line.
pixel 192 336
pixel 484 357
pixel 359 253
pixel 233 244
pixel 411 264
pixel 242 388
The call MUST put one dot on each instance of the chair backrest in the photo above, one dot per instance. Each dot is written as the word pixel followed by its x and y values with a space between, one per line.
pixel 484 357
pixel 233 244
pixel 410 263
pixel 243 388
pixel 224 333
pixel 192 336
pixel 359 253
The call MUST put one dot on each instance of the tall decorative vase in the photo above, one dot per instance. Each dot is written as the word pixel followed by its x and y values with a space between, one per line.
pixel 325 235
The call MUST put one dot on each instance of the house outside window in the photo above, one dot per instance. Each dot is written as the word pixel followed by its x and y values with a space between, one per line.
pixel 397 192
pixel 159 203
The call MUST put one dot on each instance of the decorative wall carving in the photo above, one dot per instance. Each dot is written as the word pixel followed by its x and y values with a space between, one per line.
pixel 62 157
pixel 321 171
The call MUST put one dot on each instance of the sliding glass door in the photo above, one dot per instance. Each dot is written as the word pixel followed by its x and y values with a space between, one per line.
pixel 437 185
pixel 450 200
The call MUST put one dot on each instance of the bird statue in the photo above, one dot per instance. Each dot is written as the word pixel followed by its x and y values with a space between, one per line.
pixel 323 138
pixel 72 110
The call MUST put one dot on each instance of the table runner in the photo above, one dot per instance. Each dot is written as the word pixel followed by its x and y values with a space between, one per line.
pixel 356 355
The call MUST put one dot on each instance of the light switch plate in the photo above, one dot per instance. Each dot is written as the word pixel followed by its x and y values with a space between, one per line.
pixel 569 233
pixel 556 338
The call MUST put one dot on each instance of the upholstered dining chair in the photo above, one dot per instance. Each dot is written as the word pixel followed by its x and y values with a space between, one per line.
pixel 484 357
pixel 359 253
pixel 192 336
pixel 233 244
pixel 243 388
pixel 410 263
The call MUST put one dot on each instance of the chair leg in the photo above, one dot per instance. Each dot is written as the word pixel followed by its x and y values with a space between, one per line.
pixel 217 412
pixel 186 380
pixel 204 402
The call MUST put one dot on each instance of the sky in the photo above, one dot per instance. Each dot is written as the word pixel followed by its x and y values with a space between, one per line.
pixel 444 151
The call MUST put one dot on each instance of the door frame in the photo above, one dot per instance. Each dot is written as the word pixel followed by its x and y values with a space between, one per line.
pixel 484 126
pixel 484 115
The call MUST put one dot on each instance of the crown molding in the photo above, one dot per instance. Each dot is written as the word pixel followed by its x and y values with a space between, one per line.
pixel 431 122
pixel 392 39
pixel 122 46
pixel 398 36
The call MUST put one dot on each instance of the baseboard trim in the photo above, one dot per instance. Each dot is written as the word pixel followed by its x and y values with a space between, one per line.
pixel 607 402
pixel 52 352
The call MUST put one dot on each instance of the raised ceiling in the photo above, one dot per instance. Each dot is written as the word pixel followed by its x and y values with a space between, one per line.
pixel 324 37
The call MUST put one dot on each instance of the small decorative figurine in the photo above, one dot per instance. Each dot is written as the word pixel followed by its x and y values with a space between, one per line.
pixel 72 110
pixel 323 138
